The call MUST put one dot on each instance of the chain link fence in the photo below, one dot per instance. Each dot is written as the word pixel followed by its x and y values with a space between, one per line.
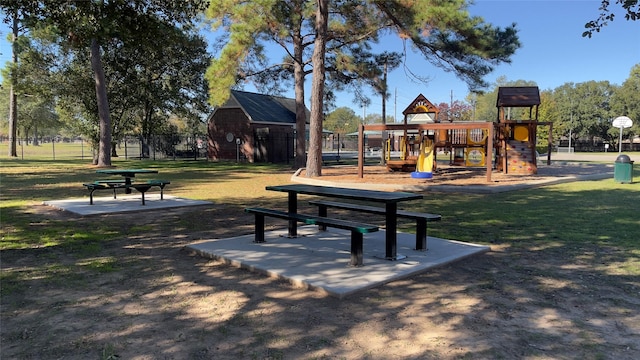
pixel 176 147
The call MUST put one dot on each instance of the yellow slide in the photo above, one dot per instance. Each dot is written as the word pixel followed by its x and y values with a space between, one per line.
pixel 425 159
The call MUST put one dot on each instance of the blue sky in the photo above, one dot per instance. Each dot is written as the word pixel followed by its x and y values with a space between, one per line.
pixel 553 52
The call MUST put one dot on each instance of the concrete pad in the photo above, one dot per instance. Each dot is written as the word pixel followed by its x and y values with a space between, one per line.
pixel 124 203
pixel 320 259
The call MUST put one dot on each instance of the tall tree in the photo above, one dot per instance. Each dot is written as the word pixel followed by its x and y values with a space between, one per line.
pixel 342 120
pixel 455 111
pixel 14 14
pixel 443 31
pixel 158 76
pixel 34 77
pixel 291 25
pixel 584 109
pixel 29 76
pixel 89 25
pixel 625 100
pixel 314 156
pixel 547 112
pixel 13 100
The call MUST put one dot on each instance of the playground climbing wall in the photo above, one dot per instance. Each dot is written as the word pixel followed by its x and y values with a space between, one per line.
pixel 520 158
pixel 516 139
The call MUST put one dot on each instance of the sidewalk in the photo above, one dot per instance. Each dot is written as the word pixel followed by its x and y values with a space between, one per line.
pixel 609 157
pixel 124 203
pixel 319 260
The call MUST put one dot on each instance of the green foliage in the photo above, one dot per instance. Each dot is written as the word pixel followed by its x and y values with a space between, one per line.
pixel 631 11
pixel 448 37
pixel 626 100
pixel 342 120
pixel 153 58
pixel 114 25
pixel 486 102
pixel 585 109
pixel 334 44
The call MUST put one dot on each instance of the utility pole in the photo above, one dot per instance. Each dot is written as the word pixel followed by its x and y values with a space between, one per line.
pixel 395 105
pixel 383 134
pixel 570 125
pixel 364 112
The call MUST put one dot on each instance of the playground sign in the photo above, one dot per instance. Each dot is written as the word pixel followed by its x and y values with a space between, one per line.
pixel 621 122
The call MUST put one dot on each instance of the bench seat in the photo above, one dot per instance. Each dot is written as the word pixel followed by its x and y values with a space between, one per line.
pixel 111 182
pixel 357 229
pixel 159 183
pixel 145 186
pixel 420 218
pixel 142 187
pixel 327 157
pixel 98 186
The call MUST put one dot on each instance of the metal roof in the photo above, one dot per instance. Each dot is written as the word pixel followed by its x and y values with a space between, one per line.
pixel 518 96
pixel 266 108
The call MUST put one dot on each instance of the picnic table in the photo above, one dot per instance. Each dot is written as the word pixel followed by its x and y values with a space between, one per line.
pixel 389 199
pixel 128 174
pixel 126 183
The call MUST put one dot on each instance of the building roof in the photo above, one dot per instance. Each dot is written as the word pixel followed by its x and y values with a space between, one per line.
pixel 518 96
pixel 262 108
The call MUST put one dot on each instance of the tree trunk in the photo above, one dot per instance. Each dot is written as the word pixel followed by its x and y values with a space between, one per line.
pixel 301 111
pixel 13 99
pixel 35 135
pixel 146 150
pixel 104 149
pixel 114 150
pixel 314 158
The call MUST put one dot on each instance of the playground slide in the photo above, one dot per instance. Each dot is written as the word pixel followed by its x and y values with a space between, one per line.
pixel 424 165
pixel 425 159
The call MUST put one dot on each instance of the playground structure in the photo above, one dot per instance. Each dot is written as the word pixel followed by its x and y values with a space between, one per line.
pixel 422 136
pixel 516 139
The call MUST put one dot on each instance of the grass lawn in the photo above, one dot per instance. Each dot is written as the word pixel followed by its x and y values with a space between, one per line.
pixel 562 281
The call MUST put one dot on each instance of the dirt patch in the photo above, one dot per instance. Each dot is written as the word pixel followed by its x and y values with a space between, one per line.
pixel 146 297
pixel 459 176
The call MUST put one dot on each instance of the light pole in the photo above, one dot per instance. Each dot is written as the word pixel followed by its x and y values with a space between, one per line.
pixel 570 126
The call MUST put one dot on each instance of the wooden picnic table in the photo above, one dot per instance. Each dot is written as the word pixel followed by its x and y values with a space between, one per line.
pixel 389 199
pixel 128 174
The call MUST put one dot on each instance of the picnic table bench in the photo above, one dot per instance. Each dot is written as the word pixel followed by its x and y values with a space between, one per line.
pixel 127 183
pixel 119 184
pixel 328 157
pixel 388 198
pixel 357 229
pixel 103 185
pixel 144 187
pixel 420 218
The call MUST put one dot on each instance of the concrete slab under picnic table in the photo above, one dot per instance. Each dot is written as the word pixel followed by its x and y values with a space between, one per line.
pixel 320 259
pixel 123 203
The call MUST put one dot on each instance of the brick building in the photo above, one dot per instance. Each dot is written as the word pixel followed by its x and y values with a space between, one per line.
pixel 253 127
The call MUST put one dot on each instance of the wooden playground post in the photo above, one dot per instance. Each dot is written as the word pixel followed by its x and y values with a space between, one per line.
pixel 489 154
pixel 360 151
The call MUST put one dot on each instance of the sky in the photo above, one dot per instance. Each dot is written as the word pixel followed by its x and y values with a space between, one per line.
pixel 553 52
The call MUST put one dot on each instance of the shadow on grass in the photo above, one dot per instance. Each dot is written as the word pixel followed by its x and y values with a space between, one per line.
pixel 562 282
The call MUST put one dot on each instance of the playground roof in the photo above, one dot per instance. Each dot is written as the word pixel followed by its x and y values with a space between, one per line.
pixel 518 96
pixel 420 105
